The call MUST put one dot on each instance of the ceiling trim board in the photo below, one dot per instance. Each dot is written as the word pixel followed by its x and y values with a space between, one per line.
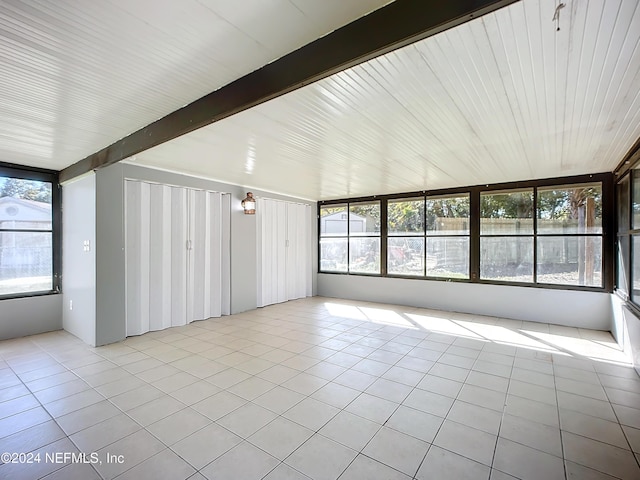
pixel 393 26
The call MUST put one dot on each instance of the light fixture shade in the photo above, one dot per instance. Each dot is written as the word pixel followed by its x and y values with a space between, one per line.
pixel 249 204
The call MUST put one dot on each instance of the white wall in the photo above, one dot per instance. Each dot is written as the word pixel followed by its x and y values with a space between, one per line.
pixel 20 317
pixel 625 327
pixel 562 307
pixel 78 264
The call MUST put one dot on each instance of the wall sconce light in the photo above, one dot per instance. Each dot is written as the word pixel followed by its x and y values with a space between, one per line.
pixel 249 204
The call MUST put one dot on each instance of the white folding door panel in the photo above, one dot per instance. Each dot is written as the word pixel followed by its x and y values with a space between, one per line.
pixel 136 260
pixel 284 264
pixel 155 256
pixel 298 251
pixel 177 256
pixel 208 284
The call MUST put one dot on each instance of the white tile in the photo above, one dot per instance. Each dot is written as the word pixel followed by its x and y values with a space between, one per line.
pixel 33 438
pixel 195 392
pixel 576 471
pixel 581 388
pixel 593 427
pixel 354 379
pixel 280 437
pixel 429 402
pixel 219 405
pixel 165 464
pixel 337 395
pixel 441 463
pixel 397 450
pixel 104 433
pixel 485 380
pixel 206 445
pixel 326 370
pixel 600 456
pixel 247 420
pixel 177 426
pixel 448 371
pixel 526 463
pixel 533 434
pixel 440 385
pixel 227 378
pixel 373 408
pixel 475 416
pixel 155 410
pixel 86 417
pixel 279 399
pixel 251 388
pixel 366 468
pixel 311 413
pixel 531 410
pixel 311 458
pixel 483 397
pixel 74 471
pixel 389 390
pixel 492 368
pixel 285 472
pixel 304 383
pixel 403 375
pixel 623 397
pixel 136 397
pixel 627 416
pixel 633 436
pixel 586 405
pixel 243 461
pixel 133 449
pixel 17 405
pixel 466 441
pixel 278 374
pixel 73 402
pixel 350 430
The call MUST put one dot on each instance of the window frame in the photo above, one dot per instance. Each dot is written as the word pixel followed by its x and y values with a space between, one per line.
pixel 608 223
pixel 51 176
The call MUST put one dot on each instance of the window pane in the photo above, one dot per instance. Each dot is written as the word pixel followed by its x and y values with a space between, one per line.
pixel 25 204
pixel 448 215
pixel 448 257
pixel 364 255
pixel 405 256
pixel 507 259
pixel 333 220
pixel 570 260
pixel 575 209
pixel 333 255
pixel 506 212
pixel 623 264
pixel 622 191
pixel 635 220
pixel 635 259
pixel 405 217
pixel 364 218
pixel 25 262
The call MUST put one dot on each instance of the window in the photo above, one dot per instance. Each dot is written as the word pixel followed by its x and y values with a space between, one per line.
pixel 547 233
pixel 506 242
pixel 628 245
pixel 569 241
pixel 405 243
pixel 27 236
pixel 448 236
pixel 364 237
pixel 334 246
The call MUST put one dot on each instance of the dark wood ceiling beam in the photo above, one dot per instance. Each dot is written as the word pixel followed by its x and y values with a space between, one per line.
pixel 393 26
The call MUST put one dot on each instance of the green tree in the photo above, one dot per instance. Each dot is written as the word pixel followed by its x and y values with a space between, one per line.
pixel 26 189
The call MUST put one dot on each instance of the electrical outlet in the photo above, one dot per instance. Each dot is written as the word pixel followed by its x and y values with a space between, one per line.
pixel 70 304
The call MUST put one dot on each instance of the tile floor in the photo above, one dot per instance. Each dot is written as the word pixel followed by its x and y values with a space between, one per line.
pixel 324 389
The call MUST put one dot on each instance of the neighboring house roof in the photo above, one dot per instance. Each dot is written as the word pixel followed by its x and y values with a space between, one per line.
pixel 24 210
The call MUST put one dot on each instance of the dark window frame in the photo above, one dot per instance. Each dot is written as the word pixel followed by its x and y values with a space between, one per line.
pixel 50 176
pixel 607 235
